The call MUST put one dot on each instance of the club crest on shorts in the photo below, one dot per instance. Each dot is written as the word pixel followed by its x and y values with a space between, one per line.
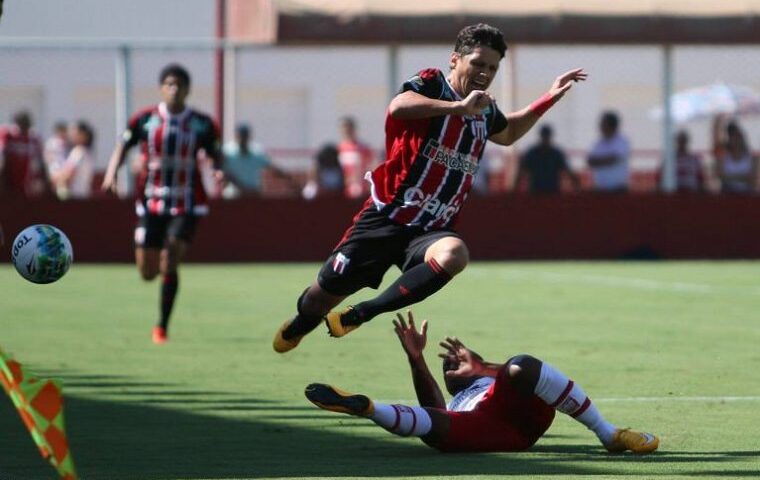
pixel 340 263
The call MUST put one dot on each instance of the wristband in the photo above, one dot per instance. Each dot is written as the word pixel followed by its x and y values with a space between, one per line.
pixel 544 103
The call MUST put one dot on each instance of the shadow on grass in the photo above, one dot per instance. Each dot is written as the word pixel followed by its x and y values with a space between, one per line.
pixel 128 440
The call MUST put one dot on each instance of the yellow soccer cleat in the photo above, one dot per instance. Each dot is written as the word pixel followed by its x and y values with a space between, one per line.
pixel 281 344
pixel 637 442
pixel 333 399
pixel 342 323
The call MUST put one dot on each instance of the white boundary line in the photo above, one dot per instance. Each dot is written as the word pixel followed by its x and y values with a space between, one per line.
pixel 726 399
pixel 748 398
pixel 618 281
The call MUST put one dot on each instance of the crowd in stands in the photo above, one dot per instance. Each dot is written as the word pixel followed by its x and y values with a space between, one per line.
pixel 63 166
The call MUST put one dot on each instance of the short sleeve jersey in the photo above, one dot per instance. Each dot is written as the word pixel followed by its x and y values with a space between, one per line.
pixel 169 182
pixel 431 162
pixel 467 399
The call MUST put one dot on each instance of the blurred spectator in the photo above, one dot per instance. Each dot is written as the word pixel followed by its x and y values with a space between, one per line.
pixel 74 178
pixel 608 158
pixel 482 179
pixel 544 163
pixel 690 175
pixel 326 179
pixel 244 164
pixel 22 168
pixel 57 148
pixel 355 158
pixel 736 166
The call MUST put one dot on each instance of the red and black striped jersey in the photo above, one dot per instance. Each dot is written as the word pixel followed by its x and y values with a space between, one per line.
pixel 431 162
pixel 169 182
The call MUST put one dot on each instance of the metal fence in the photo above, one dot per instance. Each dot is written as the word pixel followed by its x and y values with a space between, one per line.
pixel 294 96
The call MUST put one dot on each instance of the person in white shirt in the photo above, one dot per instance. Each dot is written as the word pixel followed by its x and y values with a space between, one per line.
pixel 736 165
pixel 74 178
pixel 608 158
pixel 57 148
pixel 497 407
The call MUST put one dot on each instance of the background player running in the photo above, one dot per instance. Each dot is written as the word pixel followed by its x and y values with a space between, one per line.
pixel 436 129
pixel 169 194
pixel 495 407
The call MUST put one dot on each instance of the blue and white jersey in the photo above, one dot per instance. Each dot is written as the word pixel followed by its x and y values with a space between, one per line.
pixel 468 399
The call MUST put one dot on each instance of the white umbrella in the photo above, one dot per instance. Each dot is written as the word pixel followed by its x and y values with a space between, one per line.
pixel 702 102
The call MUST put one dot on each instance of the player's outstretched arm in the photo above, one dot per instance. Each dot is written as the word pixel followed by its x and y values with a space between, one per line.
pixel 117 158
pixel 413 342
pixel 470 363
pixel 411 105
pixel 521 121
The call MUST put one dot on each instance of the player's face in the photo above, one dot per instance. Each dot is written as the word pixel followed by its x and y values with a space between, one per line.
pixel 474 71
pixel 174 92
pixel 455 385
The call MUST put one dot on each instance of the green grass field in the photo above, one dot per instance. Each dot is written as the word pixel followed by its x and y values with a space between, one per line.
pixel 673 348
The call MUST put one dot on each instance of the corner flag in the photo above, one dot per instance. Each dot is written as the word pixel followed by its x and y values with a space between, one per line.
pixel 39 401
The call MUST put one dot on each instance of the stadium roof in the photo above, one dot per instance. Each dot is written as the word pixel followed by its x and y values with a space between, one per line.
pixel 534 21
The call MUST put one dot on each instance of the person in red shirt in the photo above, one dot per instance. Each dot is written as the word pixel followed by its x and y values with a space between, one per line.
pixel 435 131
pixel 170 199
pixel 496 407
pixel 22 166
pixel 355 159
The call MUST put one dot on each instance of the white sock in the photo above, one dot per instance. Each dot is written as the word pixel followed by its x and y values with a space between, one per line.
pixel 560 392
pixel 402 420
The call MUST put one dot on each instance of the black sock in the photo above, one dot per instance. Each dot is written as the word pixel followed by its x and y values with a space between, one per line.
pixel 414 285
pixel 169 287
pixel 302 323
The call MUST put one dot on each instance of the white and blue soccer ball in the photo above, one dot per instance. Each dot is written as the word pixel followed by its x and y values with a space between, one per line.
pixel 42 253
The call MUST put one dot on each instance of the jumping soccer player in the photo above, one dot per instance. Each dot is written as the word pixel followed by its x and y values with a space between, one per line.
pixel 496 407
pixel 169 195
pixel 436 128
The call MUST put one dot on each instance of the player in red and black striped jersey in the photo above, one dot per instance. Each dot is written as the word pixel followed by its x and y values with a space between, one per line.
pixel 436 129
pixel 170 197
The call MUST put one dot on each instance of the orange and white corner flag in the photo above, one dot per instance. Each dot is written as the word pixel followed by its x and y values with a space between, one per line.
pixel 39 401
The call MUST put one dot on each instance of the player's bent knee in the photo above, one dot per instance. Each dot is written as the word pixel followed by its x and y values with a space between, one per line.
pixel 525 361
pixel 453 256
pixel 523 372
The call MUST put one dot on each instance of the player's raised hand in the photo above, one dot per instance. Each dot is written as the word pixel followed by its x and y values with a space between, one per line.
pixel 412 341
pixel 564 82
pixel 475 102
pixel 469 363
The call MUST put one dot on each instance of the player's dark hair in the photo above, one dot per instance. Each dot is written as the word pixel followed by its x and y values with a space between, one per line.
pixel 174 70
pixel 480 35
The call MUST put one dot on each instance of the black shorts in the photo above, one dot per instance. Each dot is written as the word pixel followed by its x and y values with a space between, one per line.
pixel 370 247
pixel 154 231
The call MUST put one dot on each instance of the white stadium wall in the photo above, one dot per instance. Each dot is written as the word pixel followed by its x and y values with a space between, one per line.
pixel 293 96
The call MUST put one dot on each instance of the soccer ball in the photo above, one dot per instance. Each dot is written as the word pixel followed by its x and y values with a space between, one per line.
pixel 41 253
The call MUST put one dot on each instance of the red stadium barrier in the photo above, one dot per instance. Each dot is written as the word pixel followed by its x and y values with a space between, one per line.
pixel 590 226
